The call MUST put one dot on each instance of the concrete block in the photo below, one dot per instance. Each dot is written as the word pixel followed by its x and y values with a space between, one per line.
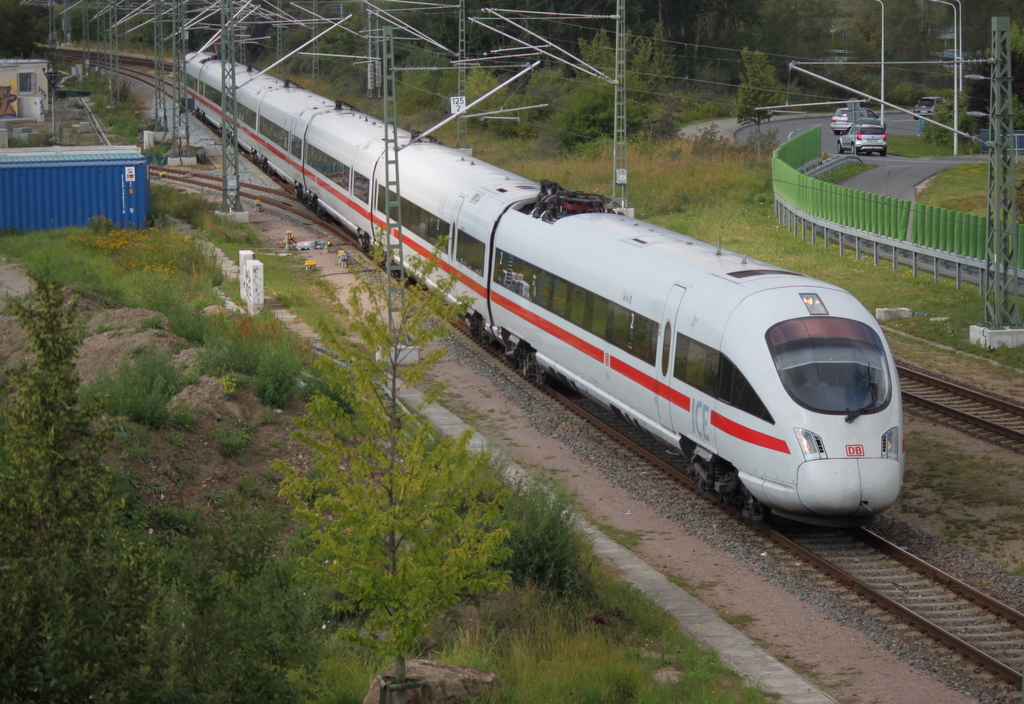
pixel 884 314
pixel 1005 337
pixel 234 216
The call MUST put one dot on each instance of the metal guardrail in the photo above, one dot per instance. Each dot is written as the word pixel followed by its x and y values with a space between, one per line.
pixel 820 167
pixel 878 247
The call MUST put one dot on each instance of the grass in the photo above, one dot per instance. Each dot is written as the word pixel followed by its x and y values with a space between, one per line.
pixel 846 172
pixel 975 499
pixel 602 651
pixel 913 146
pixel 963 187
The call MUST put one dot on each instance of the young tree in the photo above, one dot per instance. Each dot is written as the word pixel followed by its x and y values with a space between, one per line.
pixel 74 593
pixel 53 443
pixel 759 86
pixel 404 522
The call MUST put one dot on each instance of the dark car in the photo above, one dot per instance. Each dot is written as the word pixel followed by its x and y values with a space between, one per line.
pixel 926 105
pixel 864 138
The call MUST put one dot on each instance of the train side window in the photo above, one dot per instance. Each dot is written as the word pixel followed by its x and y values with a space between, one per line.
pixel 246 115
pixel 437 229
pixel 618 326
pixel 599 319
pixel 578 307
pixel 735 390
pixel 361 187
pixel 296 147
pixel 339 174
pixel 470 252
pixel 643 337
pixel 327 165
pixel 545 289
pixel 666 347
pixel 274 132
pixel 697 365
pixel 213 94
pixel 561 298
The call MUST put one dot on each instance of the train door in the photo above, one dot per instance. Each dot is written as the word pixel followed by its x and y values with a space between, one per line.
pixel 666 354
pixel 453 245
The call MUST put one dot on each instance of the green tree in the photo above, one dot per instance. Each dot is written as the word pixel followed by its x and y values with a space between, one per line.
pixel 22 31
pixel 759 86
pixel 53 443
pixel 403 522
pixel 74 592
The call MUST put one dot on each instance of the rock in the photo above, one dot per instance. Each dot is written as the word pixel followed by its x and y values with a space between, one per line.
pixel 215 309
pixel 446 684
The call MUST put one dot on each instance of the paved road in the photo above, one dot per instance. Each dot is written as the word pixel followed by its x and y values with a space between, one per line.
pixel 897 177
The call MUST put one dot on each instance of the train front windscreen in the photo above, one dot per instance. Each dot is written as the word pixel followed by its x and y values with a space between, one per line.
pixel 831 365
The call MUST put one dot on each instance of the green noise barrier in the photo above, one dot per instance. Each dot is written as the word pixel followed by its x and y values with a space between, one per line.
pixel 941 229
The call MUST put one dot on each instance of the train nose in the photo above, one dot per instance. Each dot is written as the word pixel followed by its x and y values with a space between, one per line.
pixel 831 487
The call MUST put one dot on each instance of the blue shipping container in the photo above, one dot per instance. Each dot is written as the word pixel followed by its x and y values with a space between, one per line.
pixel 51 191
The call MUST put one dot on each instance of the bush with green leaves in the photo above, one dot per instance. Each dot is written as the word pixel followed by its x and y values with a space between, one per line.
pixel 277 374
pixel 235 343
pixel 233 440
pixel 549 550
pixel 141 388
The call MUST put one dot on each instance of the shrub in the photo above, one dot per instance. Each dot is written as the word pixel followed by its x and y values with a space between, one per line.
pixel 233 441
pixel 276 378
pixel 141 388
pixel 236 343
pixel 548 548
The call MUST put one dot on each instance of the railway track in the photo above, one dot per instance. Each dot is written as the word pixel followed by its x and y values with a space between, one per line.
pixel 964 620
pixel 993 419
pixel 955 615
pixel 952 613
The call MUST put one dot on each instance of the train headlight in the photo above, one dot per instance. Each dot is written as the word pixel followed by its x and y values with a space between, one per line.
pixel 891 444
pixel 810 444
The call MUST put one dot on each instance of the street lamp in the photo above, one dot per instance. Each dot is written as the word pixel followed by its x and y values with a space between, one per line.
pixel 52 78
pixel 882 110
pixel 957 49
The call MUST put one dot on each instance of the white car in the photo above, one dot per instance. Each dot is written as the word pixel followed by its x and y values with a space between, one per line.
pixel 863 138
pixel 844 117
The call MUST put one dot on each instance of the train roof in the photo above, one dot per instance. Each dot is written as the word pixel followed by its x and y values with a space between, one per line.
pixel 430 158
pixel 603 251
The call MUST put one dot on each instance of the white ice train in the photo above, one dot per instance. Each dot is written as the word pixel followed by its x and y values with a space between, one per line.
pixel 779 388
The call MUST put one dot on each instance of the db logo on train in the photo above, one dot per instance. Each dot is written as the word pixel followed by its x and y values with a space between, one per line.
pixel 854 450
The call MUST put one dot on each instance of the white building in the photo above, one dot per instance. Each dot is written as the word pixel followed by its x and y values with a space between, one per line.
pixel 23 89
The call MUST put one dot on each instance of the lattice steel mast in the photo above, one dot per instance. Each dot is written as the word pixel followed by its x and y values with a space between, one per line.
pixel 461 133
pixel 160 88
pixel 231 201
pixel 1001 270
pixel 392 207
pixel 620 170
pixel 181 100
